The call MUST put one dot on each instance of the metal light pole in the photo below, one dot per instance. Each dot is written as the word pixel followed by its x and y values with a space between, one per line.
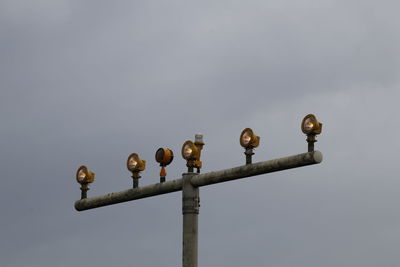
pixel 191 182
pixel 190 211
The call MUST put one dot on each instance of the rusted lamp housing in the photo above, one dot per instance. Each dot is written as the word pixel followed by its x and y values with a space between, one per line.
pixel 135 165
pixel 311 127
pixel 249 141
pixel 191 152
pixel 164 156
pixel 84 177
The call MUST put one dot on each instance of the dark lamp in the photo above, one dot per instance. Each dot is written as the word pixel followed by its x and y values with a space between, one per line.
pixel 164 156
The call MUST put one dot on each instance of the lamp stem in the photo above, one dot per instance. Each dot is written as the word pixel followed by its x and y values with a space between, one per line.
pixel 249 154
pixel 135 182
pixel 84 190
pixel 311 140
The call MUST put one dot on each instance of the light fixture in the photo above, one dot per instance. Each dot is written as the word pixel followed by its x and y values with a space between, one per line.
pixel 191 152
pixel 84 177
pixel 311 127
pixel 164 156
pixel 135 165
pixel 249 141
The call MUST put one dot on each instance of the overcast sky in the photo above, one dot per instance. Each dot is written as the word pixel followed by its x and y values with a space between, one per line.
pixel 89 82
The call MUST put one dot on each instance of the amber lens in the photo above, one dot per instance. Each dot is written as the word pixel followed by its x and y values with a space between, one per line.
pixel 187 151
pixel 308 125
pixel 81 175
pixel 132 163
pixel 246 137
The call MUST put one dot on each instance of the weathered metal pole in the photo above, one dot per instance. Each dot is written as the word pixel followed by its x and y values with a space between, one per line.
pixel 189 184
pixel 258 168
pixel 204 179
pixel 190 211
pixel 128 195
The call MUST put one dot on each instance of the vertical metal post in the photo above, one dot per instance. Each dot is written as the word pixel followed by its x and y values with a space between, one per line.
pixel 135 182
pixel 310 146
pixel 84 189
pixel 190 211
pixel 311 140
pixel 249 153
pixel 163 173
